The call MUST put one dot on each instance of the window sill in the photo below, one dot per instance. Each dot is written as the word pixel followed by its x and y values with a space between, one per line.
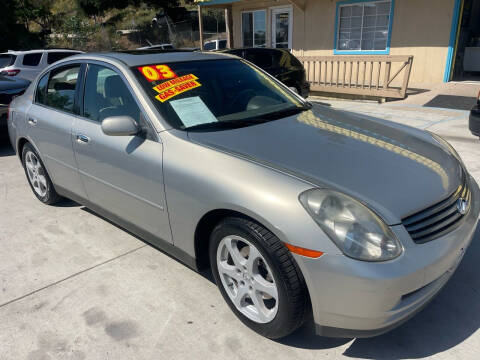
pixel 361 52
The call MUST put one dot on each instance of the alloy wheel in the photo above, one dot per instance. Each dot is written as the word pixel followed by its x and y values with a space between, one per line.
pixel 247 279
pixel 36 174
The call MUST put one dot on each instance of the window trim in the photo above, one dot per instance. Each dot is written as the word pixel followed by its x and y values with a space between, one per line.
pixel 362 52
pixel 253 28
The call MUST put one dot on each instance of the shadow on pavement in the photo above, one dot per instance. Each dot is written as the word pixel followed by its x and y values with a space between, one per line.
pixel 452 102
pixel 451 318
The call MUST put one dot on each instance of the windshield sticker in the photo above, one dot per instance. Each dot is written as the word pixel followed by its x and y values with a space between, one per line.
pixel 193 111
pixel 157 72
pixel 177 90
pixel 177 81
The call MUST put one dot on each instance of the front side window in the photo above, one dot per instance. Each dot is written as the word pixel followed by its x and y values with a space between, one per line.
pixel 363 26
pixel 31 59
pixel 106 94
pixel 254 28
pixel 61 88
pixel 215 94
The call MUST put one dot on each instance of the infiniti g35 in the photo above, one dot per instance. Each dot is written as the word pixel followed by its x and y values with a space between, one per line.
pixel 296 210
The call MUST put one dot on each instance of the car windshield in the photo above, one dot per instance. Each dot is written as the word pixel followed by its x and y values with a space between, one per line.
pixel 215 94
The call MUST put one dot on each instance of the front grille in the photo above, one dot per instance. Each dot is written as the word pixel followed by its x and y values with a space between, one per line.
pixel 439 219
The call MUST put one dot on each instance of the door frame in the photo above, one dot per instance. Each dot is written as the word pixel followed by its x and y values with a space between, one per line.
pixel 280 9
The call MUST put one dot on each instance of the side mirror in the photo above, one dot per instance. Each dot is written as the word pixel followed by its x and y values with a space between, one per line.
pixel 120 126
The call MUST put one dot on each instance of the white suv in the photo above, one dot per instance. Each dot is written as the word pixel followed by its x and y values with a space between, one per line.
pixel 28 64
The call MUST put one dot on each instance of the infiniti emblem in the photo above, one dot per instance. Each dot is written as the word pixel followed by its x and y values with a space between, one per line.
pixel 462 206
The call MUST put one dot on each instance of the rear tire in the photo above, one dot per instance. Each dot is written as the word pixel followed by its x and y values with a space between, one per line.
pixel 267 293
pixel 37 176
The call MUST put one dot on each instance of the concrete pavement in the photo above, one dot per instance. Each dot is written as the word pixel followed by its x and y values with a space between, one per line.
pixel 74 286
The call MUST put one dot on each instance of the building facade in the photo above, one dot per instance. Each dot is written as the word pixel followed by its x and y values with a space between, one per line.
pixel 427 29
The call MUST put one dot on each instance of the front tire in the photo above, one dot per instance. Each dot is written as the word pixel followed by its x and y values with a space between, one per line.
pixel 37 176
pixel 258 277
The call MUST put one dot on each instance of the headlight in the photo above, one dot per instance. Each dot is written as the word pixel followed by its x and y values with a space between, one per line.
pixel 354 228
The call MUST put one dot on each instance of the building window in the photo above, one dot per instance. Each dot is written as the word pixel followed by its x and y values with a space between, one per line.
pixel 363 27
pixel 254 28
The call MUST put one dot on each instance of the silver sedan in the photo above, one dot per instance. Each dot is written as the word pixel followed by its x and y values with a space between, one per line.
pixel 296 210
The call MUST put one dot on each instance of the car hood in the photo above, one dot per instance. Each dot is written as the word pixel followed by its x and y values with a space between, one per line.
pixel 396 170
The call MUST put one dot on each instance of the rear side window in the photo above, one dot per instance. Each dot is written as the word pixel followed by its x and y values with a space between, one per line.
pixel 41 92
pixel 7 60
pixel 31 59
pixel 61 88
pixel 209 46
pixel 55 56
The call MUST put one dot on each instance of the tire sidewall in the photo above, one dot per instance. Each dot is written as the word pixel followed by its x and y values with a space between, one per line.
pixel 275 327
pixel 50 190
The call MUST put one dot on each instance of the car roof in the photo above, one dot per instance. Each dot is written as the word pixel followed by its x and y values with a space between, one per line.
pixel 19 52
pixel 142 57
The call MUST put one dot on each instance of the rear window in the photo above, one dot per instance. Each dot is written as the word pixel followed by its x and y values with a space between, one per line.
pixel 32 59
pixel 7 60
pixel 222 44
pixel 55 56
pixel 189 94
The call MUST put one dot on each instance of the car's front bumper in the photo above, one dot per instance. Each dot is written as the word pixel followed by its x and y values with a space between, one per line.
pixel 352 298
pixel 474 121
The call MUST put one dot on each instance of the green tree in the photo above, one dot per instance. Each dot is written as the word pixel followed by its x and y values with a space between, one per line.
pixel 13 32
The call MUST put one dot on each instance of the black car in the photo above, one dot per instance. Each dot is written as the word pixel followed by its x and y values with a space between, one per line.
pixel 279 63
pixel 9 88
pixel 474 123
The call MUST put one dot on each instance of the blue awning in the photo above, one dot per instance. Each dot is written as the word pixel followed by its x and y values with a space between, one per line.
pixel 216 2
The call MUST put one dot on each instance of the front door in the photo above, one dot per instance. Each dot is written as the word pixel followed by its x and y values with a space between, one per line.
pixel 282 27
pixel 122 174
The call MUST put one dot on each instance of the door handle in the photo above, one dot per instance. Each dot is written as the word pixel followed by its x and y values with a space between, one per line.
pixel 82 139
pixel 32 121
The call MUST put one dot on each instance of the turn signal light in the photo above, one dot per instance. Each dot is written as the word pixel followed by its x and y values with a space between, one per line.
pixel 304 252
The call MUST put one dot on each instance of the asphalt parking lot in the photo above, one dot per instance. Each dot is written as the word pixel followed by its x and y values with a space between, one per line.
pixel 75 286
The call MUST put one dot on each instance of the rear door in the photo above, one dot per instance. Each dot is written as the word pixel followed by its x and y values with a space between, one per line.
pixel 50 121
pixel 122 174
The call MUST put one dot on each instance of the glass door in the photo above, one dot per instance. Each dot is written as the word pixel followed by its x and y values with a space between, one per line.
pixel 282 28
